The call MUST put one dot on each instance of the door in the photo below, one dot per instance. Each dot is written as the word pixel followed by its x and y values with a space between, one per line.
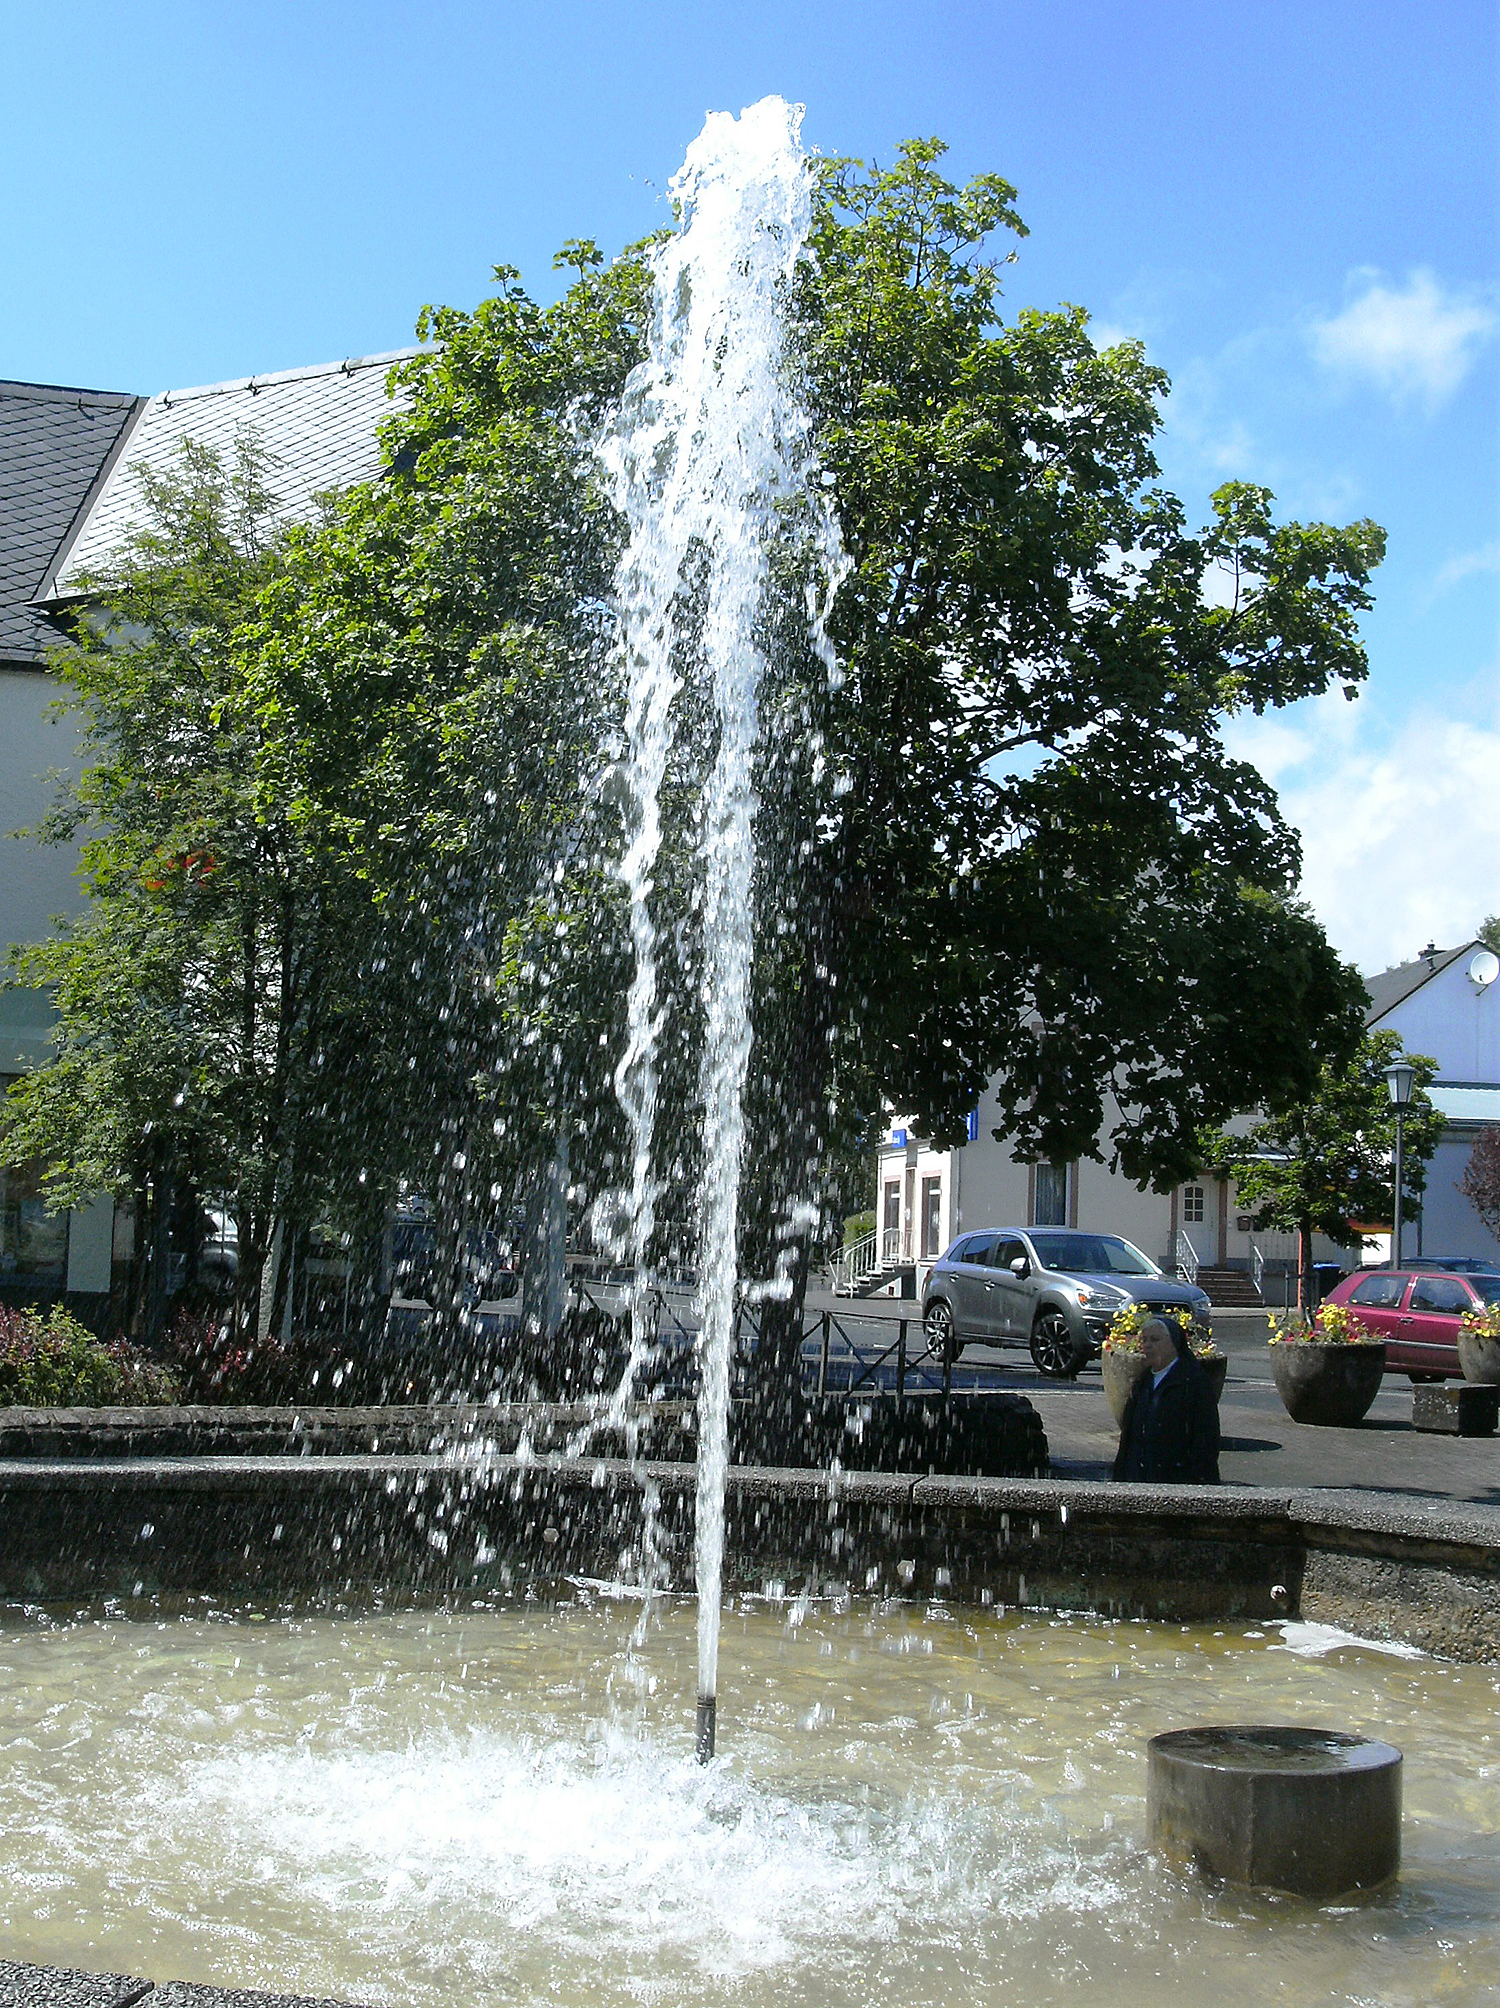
pixel 1196 1222
pixel 890 1238
pixel 1429 1326
pixel 1010 1299
pixel 1375 1302
pixel 967 1278
pixel 932 1218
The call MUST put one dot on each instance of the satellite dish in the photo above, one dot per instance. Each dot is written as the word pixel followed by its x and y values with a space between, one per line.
pixel 1483 969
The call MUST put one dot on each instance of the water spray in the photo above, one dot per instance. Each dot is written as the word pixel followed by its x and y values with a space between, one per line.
pixel 709 446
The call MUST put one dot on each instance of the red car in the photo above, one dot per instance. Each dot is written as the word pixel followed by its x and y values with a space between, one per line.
pixel 1416 1312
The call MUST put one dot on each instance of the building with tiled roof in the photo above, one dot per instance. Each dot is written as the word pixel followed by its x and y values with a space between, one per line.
pixel 320 426
pixel 70 492
pixel 58 447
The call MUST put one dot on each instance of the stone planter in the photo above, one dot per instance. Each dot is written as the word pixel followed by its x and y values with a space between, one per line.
pixel 1216 1370
pixel 1328 1385
pixel 1479 1357
pixel 1121 1371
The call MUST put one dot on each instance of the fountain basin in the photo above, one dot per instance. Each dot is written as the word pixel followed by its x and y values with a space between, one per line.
pixel 1312 1812
pixel 492 1801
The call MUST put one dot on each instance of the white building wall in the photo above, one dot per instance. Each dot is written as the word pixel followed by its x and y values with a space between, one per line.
pixel 1453 1020
pixel 37 881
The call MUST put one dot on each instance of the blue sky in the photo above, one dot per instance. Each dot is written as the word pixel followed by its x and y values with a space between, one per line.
pixel 1295 206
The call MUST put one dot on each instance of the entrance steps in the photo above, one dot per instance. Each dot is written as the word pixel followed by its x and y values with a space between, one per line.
pixel 1229 1289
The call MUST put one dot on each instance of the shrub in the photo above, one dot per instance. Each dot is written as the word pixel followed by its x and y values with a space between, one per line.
pixel 53 1361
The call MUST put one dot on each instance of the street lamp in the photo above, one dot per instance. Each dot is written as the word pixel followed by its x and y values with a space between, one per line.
pixel 1398 1081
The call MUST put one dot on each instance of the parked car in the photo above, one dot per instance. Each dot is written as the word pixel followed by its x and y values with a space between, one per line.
pixel 1455 1265
pixel 1051 1289
pixel 1417 1311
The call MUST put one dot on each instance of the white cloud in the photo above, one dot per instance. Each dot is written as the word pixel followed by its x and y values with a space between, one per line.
pixel 1400 840
pixel 1465 565
pixel 1415 342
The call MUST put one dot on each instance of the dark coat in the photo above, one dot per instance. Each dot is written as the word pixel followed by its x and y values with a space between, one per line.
pixel 1170 1435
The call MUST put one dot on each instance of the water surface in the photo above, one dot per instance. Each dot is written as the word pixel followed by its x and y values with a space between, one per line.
pixel 499 1805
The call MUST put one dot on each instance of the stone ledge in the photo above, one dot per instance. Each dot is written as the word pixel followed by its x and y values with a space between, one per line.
pixel 296 1530
pixel 25 1986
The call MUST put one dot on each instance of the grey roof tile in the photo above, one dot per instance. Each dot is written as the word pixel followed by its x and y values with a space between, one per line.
pixel 319 424
pixel 55 443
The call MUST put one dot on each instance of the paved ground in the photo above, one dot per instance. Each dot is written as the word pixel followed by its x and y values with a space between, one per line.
pixel 1261 1443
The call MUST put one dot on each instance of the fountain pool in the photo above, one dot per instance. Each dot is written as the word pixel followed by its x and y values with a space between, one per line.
pixel 499 1803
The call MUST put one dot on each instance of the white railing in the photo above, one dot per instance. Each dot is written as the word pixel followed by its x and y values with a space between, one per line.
pixel 855 1264
pixel 893 1246
pixel 1187 1258
pixel 859 1260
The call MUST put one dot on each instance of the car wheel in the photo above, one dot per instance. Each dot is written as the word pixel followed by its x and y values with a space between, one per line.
pixel 1054 1350
pixel 942 1341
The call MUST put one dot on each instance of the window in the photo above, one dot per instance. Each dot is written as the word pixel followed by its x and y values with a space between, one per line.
pixel 1384 1292
pixel 1192 1205
pixel 977 1248
pixel 1007 1252
pixel 33 1242
pixel 932 1215
pixel 1091 1255
pixel 1050 1201
pixel 1443 1294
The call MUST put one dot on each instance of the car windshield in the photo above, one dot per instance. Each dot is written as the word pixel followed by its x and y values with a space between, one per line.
pixel 1487 1287
pixel 1092 1255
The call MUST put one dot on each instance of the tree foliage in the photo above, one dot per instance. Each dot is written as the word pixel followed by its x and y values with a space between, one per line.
pixel 1480 1184
pixel 206 980
pixel 1322 1164
pixel 1005 842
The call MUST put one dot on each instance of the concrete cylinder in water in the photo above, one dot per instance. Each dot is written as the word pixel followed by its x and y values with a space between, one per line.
pixel 1313 1812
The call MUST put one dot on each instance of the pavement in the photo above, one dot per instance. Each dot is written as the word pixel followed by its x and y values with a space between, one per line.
pixel 1260 1444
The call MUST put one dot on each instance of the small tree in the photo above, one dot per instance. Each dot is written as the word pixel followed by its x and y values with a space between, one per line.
pixel 1325 1162
pixel 207 978
pixel 1480 1184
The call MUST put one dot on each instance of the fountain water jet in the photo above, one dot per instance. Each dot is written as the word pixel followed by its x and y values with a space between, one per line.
pixel 710 447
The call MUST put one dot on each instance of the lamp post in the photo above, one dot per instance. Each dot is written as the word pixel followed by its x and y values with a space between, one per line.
pixel 1398 1079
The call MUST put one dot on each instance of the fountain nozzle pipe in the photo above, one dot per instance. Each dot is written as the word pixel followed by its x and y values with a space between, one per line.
pixel 708 1709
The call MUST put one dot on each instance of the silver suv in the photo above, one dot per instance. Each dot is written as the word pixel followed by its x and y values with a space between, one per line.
pixel 1053 1289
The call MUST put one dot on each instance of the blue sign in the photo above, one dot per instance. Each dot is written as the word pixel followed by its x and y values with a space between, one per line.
pixel 973 1125
pixel 898 1139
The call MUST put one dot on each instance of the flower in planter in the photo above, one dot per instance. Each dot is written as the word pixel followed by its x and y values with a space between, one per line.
pixel 1335 1325
pixel 1124 1334
pixel 1485 1323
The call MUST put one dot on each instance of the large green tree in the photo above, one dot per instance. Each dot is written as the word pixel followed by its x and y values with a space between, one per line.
pixel 1326 1161
pixel 1042 867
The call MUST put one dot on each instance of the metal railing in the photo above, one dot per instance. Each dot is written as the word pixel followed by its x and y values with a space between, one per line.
pixel 857 1262
pixel 1187 1258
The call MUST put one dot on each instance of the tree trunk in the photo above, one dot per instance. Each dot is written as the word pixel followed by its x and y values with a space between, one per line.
pixel 1306 1292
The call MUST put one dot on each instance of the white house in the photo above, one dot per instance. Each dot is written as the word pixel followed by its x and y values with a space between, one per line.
pixel 925 1197
pixel 1447 1004
pixel 70 464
